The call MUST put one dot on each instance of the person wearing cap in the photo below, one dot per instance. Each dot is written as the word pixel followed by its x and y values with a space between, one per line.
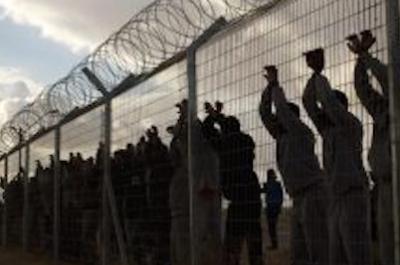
pixel 342 134
pixel 379 157
pixel 301 172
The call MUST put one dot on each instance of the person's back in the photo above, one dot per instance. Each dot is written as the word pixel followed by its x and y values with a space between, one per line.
pixel 297 160
pixel 301 173
pixel 239 183
pixel 342 135
pixel 380 157
pixel 343 155
pixel 273 194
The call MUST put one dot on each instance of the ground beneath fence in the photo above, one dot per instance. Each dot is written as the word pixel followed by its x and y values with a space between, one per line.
pixel 14 256
pixel 17 257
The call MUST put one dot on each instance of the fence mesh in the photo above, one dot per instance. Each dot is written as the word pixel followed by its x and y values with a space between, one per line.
pixel 81 183
pixel 14 195
pixel 142 168
pixel 274 169
pixel 41 194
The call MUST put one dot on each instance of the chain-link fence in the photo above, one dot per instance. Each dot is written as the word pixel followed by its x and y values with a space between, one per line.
pixel 264 137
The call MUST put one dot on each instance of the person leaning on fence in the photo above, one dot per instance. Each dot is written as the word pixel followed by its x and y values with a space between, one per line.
pixel 342 134
pixel 303 177
pixel 379 157
pixel 239 185
pixel 273 201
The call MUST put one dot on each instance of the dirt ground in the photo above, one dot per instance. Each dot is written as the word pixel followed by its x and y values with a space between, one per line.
pixel 17 257
pixel 280 257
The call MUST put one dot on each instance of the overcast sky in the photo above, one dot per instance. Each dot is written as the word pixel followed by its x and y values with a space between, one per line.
pixel 41 40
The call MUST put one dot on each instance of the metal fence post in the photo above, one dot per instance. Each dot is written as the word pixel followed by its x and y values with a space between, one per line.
pixel 106 175
pixel 56 209
pixel 393 32
pixel 25 224
pixel 192 103
pixel 196 233
pixel 109 201
pixel 4 239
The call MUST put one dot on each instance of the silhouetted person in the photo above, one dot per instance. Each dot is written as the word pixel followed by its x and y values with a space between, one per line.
pixel 377 104
pixel 160 174
pixel 342 135
pixel 273 201
pixel 303 177
pixel 239 185
pixel 179 190
pixel 205 196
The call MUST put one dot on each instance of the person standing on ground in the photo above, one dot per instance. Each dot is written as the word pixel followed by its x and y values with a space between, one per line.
pixel 273 200
pixel 342 134
pixel 303 177
pixel 379 157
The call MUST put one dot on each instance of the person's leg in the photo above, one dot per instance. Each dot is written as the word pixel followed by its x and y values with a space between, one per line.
pixel 385 223
pixel 315 211
pixel 234 236
pixel 337 255
pixel 299 254
pixel 254 238
pixel 180 241
pixel 272 220
pixel 355 227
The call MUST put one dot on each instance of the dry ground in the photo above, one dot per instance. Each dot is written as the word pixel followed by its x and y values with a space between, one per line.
pixel 280 257
pixel 14 257
pixel 17 257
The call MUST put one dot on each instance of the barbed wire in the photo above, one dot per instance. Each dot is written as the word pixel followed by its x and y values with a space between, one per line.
pixel 157 33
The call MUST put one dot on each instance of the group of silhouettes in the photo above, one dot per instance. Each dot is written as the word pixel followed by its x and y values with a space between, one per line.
pixel 331 221
pixel 331 215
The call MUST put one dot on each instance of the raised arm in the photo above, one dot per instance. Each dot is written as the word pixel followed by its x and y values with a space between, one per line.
pixel 311 106
pixel 269 120
pixel 285 116
pixel 335 111
pixel 379 70
pixel 374 102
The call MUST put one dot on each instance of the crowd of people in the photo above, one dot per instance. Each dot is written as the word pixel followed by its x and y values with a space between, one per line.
pixel 331 215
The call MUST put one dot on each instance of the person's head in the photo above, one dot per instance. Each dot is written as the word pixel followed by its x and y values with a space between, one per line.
pixel 182 107
pixel 271 176
pixel 316 59
pixel 232 125
pixel 219 106
pixel 342 98
pixel 208 107
pixel 271 73
pixel 294 108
